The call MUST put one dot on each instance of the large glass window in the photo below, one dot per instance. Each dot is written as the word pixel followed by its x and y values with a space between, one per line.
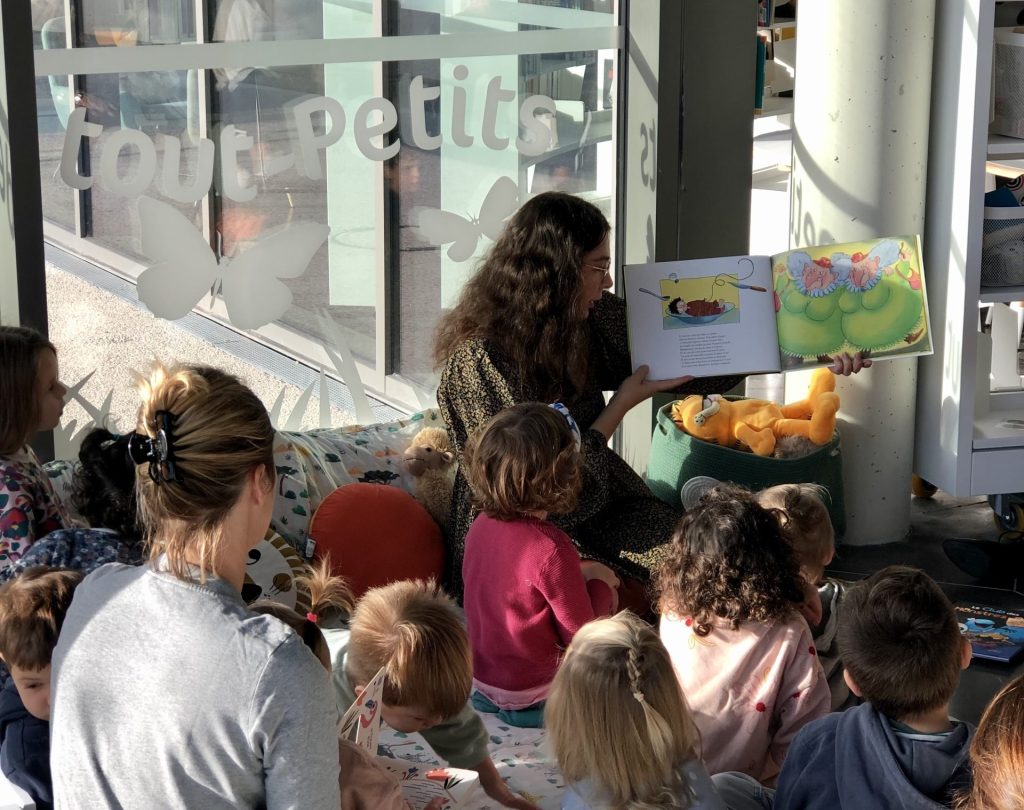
pixel 324 173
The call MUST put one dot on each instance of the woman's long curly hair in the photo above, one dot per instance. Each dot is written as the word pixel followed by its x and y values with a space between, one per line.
pixel 103 486
pixel 525 298
pixel 729 560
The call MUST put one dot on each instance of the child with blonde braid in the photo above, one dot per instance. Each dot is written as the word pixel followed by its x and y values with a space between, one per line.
pixel 619 725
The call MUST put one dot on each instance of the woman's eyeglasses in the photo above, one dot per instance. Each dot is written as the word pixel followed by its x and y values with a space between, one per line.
pixel 603 269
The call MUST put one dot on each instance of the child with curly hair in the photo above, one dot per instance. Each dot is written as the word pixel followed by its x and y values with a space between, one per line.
pixel 729 597
pixel 526 590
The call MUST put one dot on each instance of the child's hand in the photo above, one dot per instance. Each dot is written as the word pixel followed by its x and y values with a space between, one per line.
pixel 437 804
pixel 637 388
pixel 811 608
pixel 592 569
pixel 495 787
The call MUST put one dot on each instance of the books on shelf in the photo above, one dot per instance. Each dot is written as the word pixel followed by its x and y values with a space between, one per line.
pixel 759 74
pixel 762 314
pixel 995 634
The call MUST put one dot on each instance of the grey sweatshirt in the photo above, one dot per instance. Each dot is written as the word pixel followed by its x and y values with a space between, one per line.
pixel 171 694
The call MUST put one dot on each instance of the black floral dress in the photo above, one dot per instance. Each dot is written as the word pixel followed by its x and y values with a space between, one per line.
pixel 617 520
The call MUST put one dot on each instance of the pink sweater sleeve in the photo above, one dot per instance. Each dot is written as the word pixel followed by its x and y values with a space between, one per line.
pixel 573 600
pixel 804 694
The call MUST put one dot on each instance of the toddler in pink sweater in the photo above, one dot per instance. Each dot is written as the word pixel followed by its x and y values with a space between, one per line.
pixel 730 593
pixel 526 590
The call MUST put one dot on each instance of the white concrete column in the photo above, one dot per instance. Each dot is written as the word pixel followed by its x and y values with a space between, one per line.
pixel 860 153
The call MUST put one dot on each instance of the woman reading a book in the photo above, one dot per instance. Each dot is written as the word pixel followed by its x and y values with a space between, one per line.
pixel 537 322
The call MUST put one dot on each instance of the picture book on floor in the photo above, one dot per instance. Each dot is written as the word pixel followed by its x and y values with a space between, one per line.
pixel 522 756
pixel 995 634
pixel 762 314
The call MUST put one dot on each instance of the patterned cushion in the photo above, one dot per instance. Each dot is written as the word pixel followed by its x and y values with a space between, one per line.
pixel 270 574
pixel 312 464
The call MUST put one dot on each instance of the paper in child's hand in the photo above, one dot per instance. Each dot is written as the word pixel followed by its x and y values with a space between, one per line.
pixel 361 723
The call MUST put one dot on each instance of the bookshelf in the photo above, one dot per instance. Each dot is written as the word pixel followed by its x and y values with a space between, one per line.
pixel 779 71
pixel 969 439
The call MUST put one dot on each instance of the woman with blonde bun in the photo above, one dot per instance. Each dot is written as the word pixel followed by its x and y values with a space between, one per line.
pixel 167 690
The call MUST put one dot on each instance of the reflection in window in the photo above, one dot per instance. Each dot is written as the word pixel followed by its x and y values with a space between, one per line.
pixel 458 121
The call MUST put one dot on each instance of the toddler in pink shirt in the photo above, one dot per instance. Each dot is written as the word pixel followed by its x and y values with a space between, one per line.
pixel 730 593
pixel 526 590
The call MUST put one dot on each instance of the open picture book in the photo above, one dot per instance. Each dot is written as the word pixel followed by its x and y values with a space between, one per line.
pixel 763 314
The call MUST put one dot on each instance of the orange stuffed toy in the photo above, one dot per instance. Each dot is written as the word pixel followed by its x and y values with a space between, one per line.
pixel 757 423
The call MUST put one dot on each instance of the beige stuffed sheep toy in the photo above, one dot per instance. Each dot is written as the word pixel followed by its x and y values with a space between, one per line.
pixel 430 459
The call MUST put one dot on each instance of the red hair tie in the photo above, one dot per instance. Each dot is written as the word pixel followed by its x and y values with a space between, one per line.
pixel 311 617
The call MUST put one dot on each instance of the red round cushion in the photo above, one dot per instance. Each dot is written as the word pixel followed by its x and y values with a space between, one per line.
pixel 377 534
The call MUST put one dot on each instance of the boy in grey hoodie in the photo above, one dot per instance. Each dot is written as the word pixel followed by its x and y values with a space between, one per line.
pixel 903 653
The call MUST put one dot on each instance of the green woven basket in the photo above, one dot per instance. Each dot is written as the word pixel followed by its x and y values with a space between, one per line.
pixel 676 457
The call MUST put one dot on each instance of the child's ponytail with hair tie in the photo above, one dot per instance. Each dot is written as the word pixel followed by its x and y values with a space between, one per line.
pixel 330 598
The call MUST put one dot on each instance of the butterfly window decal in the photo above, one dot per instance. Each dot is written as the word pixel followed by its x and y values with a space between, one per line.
pixel 439 227
pixel 185 268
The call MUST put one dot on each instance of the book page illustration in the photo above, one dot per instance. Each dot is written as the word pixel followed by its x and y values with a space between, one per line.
pixel 866 297
pixel 691 302
pixel 703 317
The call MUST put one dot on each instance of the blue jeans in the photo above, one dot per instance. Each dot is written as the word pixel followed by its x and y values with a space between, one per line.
pixel 530 717
pixel 741 792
